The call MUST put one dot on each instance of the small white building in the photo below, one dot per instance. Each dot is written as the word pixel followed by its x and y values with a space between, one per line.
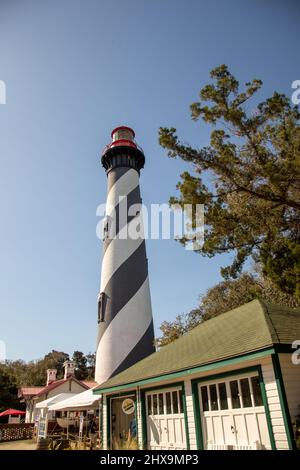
pixel 233 382
pixel 68 385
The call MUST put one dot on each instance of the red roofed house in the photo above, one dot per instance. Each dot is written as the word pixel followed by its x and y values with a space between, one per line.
pixel 69 384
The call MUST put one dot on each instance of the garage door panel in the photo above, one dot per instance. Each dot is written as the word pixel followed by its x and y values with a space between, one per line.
pixel 153 432
pixel 233 415
pixel 177 435
pixel 240 429
pixel 228 436
pixel 264 432
pixel 252 428
pixel 165 421
pixel 169 430
pixel 210 429
pixel 179 425
pixel 218 429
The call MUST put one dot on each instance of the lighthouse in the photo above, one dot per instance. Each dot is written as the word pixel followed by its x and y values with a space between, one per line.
pixel 125 324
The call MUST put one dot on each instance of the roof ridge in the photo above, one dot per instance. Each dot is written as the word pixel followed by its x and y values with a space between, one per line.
pixel 267 316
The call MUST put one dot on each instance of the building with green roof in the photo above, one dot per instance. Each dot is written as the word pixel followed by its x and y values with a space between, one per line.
pixel 233 382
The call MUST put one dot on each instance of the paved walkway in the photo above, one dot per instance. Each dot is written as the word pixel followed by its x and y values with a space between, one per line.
pixel 18 445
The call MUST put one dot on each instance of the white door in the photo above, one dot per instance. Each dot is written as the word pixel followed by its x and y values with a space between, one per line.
pixel 233 415
pixel 165 420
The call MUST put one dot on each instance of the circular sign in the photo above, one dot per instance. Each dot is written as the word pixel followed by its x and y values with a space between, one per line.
pixel 128 406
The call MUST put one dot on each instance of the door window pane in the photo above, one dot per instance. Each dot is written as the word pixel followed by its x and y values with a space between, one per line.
pixel 223 396
pixel 155 404
pixel 245 389
pixel 204 397
pixel 175 402
pixel 160 404
pixel 235 398
pixel 168 403
pixel 180 402
pixel 149 405
pixel 213 397
pixel 256 391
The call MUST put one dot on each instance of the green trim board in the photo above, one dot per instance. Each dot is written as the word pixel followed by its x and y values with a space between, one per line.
pixel 185 372
pixel 187 433
pixel 197 416
pixel 196 400
pixel 283 402
pixel 108 413
pixel 267 409
pixel 144 411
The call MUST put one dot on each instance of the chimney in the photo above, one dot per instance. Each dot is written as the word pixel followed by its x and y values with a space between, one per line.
pixel 51 376
pixel 69 369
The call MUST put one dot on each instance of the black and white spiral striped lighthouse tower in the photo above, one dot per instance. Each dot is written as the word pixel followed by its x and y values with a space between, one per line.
pixel 125 324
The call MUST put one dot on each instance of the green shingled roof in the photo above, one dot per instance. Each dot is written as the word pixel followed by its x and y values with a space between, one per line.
pixel 249 328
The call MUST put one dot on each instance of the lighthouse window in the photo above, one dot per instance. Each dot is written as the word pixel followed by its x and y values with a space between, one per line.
pixel 105 230
pixel 101 307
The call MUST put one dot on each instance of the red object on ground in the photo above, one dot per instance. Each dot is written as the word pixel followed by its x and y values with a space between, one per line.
pixel 12 412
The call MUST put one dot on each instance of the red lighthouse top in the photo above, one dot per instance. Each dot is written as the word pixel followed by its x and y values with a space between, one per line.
pixel 123 151
pixel 127 131
pixel 123 136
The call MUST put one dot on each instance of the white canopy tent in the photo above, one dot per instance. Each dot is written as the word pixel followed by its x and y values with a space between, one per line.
pixel 54 400
pixel 81 401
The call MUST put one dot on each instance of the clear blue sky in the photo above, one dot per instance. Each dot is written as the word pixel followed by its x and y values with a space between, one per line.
pixel 74 70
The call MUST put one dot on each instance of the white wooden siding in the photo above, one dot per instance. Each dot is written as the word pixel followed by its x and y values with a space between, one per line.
pixel 291 378
pixel 139 421
pixel 279 432
pixel 104 426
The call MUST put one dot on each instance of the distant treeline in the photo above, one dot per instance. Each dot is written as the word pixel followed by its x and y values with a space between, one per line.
pixel 14 374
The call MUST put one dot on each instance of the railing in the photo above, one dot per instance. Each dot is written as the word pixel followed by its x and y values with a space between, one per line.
pixel 16 431
pixel 120 142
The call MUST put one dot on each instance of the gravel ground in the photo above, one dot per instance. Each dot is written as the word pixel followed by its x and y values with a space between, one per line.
pixel 18 445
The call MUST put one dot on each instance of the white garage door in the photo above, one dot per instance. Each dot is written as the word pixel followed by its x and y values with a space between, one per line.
pixel 165 420
pixel 233 415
